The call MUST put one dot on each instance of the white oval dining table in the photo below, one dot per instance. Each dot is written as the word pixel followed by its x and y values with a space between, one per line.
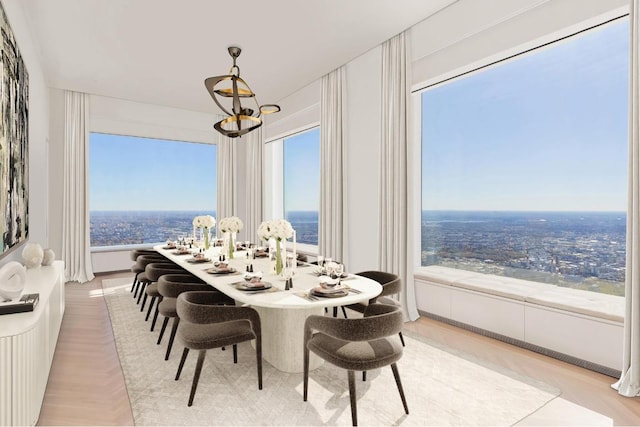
pixel 282 312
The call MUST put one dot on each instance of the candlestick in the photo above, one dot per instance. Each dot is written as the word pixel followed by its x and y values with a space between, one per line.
pixel 295 253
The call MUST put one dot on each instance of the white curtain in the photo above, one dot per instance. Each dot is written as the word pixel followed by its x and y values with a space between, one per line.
pixel 226 205
pixel 254 145
pixel 629 383
pixel 393 166
pixel 332 177
pixel 76 252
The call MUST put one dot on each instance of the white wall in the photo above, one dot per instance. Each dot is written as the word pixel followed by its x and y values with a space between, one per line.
pixel 38 131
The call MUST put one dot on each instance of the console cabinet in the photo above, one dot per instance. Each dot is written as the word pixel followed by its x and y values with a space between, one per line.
pixel 27 344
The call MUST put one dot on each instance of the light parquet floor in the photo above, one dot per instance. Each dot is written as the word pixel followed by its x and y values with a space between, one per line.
pixel 86 386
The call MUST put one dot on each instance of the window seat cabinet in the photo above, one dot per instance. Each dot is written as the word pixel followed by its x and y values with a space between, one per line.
pixel 585 326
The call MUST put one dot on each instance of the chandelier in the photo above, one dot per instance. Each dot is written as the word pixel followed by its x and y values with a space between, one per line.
pixel 231 90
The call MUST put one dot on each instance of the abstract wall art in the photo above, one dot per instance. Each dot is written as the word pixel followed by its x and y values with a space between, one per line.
pixel 14 141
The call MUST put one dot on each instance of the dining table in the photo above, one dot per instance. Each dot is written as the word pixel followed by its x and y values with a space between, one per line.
pixel 282 311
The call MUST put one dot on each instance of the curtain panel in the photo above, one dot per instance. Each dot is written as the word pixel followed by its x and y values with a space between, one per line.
pixel 254 148
pixel 226 202
pixel 393 167
pixel 629 383
pixel 76 244
pixel 331 230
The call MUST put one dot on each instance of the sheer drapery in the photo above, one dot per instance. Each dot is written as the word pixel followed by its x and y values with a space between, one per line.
pixel 393 166
pixel 76 243
pixel 629 383
pixel 332 178
pixel 254 146
pixel 226 205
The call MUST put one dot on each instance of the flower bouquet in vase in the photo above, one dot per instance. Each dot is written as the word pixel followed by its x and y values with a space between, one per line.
pixel 277 231
pixel 230 226
pixel 204 223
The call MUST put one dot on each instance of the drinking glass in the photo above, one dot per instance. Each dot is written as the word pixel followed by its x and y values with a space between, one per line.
pixel 339 270
pixel 320 261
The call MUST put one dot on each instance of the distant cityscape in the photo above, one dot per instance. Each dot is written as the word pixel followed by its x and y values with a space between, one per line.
pixel 113 228
pixel 582 250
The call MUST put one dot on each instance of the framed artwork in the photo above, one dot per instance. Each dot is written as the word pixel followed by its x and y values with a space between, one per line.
pixel 14 141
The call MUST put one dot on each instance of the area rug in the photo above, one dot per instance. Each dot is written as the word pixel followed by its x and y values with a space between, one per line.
pixel 443 387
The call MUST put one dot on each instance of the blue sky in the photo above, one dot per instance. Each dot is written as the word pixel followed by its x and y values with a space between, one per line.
pixel 544 131
pixel 302 171
pixel 129 173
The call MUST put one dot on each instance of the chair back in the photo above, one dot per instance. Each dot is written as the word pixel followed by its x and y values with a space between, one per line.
pixel 380 321
pixel 390 282
pixel 215 307
pixel 172 285
pixel 154 270
pixel 135 253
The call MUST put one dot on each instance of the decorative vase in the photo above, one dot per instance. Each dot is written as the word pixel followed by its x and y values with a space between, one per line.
pixel 207 242
pixel 231 244
pixel 279 262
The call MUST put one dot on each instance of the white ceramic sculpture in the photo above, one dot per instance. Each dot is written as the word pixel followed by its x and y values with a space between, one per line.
pixel 13 277
pixel 49 257
pixel 32 255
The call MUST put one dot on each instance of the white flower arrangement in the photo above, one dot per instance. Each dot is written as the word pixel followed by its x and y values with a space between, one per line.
pixel 264 230
pixel 231 224
pixel 204 221
pixel 279 229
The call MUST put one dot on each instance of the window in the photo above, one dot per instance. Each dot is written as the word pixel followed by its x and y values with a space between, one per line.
pixel 524 164
pixel 145 190
pixel 301 183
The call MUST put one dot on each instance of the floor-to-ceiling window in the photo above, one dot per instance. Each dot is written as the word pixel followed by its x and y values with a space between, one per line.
pixel 524 164
pixel 144 190
pixel 301 183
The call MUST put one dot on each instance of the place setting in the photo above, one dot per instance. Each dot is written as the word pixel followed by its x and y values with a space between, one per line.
pixel 253 283
pixel 198 258
pixel 222 268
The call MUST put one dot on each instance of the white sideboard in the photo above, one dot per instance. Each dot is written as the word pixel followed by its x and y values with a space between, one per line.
pixel 27 344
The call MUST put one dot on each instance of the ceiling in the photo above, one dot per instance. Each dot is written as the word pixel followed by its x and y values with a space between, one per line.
pixel 160 51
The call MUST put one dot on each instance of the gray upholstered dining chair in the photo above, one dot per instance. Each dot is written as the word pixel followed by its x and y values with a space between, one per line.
pixel 204 324
pixel 391 285
pixel 153 272
pixel 359 344
pixel 170 287
pixel 142 258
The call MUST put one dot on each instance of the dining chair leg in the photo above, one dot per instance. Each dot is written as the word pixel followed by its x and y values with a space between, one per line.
pixel 141 290
pixel 364 375
pixel 344 312
pixel 396 375
pixel 352 397
pixel 151 303
pixel 259 363
pixel 135 280
pixel 235 353
pixel 144 301
pixel 401 338
pixel 164 326
pixel 155 315
pixel 196 376
pixel 305 386
pixel 185 353
pixel 335 311
pixel 174 329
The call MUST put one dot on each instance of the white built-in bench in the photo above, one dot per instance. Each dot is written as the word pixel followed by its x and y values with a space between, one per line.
pixel 586 326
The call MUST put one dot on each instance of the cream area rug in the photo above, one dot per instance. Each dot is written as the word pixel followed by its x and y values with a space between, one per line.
pixel 443 387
